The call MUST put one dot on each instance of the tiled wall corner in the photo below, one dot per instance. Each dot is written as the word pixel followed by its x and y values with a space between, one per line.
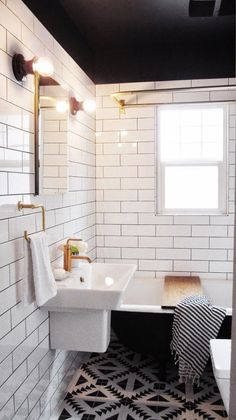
pixel 33 377
pixel 127 228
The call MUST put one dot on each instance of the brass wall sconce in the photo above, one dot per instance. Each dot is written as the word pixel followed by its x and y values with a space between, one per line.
pixel 88 105
pixel 22 67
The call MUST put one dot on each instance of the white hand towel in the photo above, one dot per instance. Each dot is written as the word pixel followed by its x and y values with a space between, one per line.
pixel 39 283
pixel 28 292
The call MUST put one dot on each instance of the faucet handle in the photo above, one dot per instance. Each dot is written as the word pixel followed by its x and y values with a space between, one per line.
pixel 73 239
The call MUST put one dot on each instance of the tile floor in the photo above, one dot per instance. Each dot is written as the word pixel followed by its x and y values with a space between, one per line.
pixel 123 385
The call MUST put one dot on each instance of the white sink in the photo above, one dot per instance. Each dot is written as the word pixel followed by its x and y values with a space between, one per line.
pixel 92 286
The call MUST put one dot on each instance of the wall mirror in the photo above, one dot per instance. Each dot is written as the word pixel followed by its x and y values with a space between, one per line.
pixel 51 127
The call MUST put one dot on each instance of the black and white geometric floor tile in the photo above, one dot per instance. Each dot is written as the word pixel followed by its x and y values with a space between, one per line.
pixel 123 385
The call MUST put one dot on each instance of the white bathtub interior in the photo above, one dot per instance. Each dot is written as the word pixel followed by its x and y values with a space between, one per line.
pixel 145 294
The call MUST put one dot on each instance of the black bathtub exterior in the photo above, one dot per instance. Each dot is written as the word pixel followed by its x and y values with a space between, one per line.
pixel 146 332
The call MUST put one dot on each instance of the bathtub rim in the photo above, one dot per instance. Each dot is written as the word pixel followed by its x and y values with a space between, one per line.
pixel 136 284
pixel 154 309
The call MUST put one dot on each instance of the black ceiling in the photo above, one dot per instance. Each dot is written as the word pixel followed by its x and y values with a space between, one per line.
pixel 142 40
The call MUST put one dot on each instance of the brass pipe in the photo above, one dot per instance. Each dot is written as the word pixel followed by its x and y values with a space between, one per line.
pixel 177 89
pixel 122 107
pixel 122 103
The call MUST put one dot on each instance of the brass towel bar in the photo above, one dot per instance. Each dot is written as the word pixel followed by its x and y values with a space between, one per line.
pixel 22 206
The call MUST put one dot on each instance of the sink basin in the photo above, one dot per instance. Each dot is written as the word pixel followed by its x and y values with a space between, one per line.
pixel 92 286
pixel 80 313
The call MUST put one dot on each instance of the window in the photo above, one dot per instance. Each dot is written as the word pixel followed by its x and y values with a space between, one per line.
pixel 191 158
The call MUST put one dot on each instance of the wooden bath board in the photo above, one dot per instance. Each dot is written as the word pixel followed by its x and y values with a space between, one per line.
pixel 176 288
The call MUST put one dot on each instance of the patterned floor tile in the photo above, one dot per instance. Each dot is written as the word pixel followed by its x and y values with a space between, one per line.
pixel 123 385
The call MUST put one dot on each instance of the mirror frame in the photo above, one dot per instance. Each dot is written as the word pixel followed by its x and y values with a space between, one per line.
pixel 38 82
pixel 36 133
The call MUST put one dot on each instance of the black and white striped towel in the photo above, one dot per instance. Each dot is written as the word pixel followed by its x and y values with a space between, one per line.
pixel 195 323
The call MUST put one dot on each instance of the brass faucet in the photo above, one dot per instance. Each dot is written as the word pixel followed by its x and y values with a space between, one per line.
pixel 68 255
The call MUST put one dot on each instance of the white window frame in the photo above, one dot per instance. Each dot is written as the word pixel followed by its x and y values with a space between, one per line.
pixel 223 166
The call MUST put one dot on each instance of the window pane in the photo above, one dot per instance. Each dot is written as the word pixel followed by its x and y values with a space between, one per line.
pixel 190 133
pixel 186 130
pixel 170 151
pixel 212 116
pixel 212 151
pixel 191 187
pixel 191 151
pixel 170 133
pixel 212 134
pixel 190 116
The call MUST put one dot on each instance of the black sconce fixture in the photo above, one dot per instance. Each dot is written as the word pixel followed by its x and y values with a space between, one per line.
pixel 89 105
pixel 75 105
pixel 22 67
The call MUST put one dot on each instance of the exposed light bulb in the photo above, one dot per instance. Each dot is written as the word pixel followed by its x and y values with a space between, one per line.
pixel 62 106
pixel 43 66
pixel 89 105
pixel 109 281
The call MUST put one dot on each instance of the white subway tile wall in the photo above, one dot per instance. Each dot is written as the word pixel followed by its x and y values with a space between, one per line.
pixel 127 227
pixel 33 378
pixel 54 165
